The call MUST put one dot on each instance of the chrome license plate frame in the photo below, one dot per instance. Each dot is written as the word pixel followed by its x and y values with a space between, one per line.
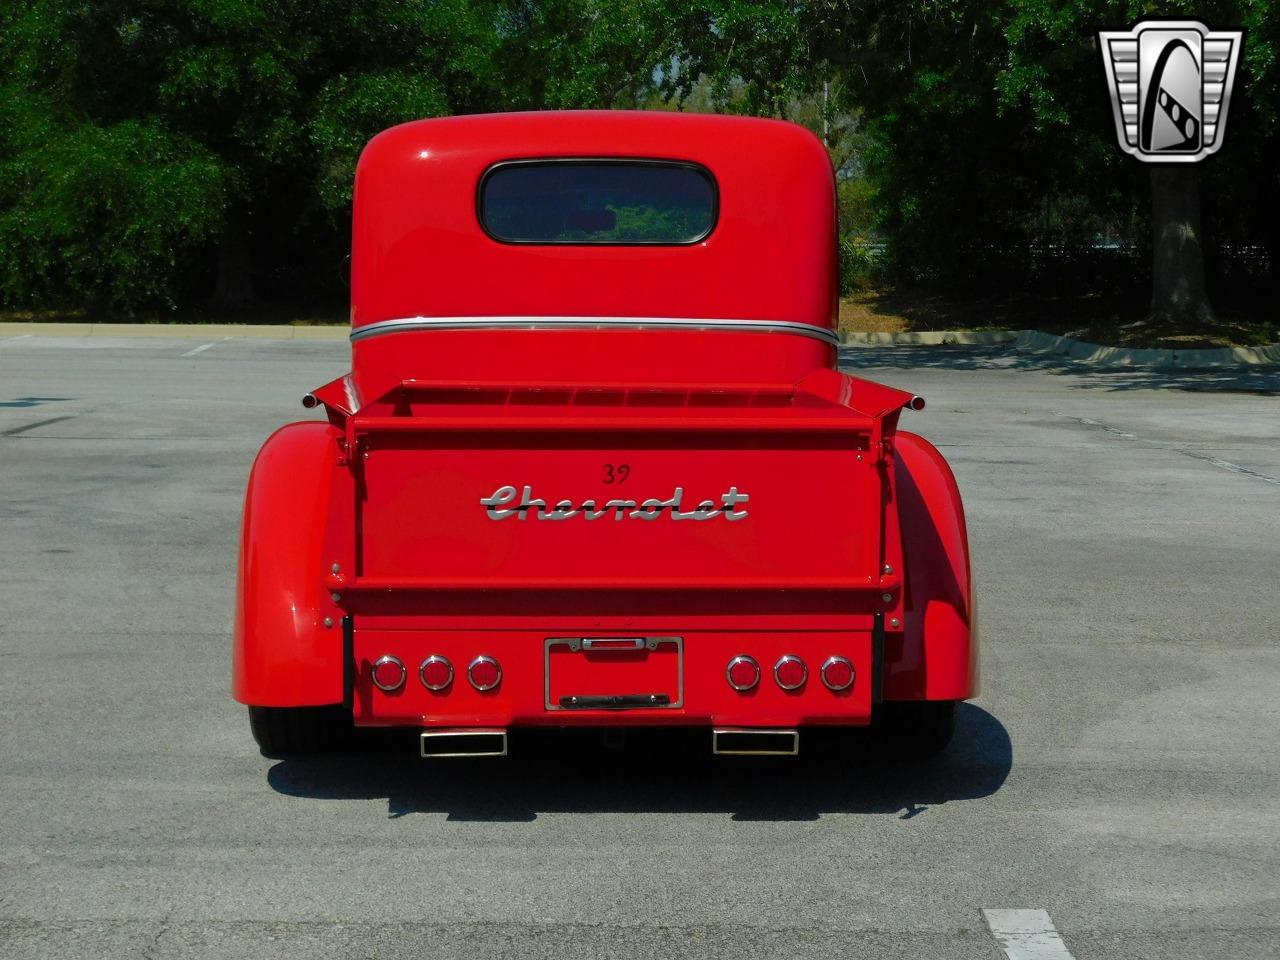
pixel 603 645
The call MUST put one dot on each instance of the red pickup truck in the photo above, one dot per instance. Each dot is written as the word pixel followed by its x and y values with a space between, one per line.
pixel 594 464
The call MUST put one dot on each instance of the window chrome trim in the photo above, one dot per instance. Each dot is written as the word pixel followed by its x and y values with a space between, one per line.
pixel 599 161
pixel 594 323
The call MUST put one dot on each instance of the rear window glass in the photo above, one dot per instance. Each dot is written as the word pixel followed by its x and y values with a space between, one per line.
pixel 597 201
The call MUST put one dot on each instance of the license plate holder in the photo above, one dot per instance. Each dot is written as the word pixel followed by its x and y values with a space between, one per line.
pixel 613 673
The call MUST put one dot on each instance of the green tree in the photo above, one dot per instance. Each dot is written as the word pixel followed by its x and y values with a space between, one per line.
pixel 989 126
pixel 149 131
pixel 93 212
pixel 154 150
pixel 585 54
pixel 152 146
pixel 949 180
pixel 1053 42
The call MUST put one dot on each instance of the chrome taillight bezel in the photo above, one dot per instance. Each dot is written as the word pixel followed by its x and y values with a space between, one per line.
pixel 422 673
pixel 728 673
pixel 373 673
pixel 822 672
pixel 475 663
pixel 782 661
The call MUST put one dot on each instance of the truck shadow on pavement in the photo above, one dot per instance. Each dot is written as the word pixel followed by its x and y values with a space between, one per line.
pixel 657 771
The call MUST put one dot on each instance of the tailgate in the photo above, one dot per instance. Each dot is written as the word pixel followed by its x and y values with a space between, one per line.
pixel 631 496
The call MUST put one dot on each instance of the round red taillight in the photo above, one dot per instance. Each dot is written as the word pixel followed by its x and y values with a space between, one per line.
pixel 743 673
pixel 484 673
pixel 790 672
pixel 837 673
pixel 436 673
pixel 388 673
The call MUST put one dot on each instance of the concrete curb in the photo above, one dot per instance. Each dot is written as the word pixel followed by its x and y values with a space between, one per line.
pixel 929 338
pixel 1079 351
pixel 1095 354
pixel 189 331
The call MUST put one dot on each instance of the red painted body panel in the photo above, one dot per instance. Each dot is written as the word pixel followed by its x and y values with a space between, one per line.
pixel 703 454
pixel 616 356
pixel 418 250
pixel 283 654
pixel 466 496
pixel 936 657
pixel 520 698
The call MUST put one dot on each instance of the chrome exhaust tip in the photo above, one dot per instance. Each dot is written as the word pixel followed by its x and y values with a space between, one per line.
pixel 463 743
pixel 749 742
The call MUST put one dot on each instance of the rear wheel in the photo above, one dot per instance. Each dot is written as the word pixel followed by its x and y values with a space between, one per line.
pixel 280 731
pixel 915 729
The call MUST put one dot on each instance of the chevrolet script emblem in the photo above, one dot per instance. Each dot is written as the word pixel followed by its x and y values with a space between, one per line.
pixel 1170 83
pixel 509 502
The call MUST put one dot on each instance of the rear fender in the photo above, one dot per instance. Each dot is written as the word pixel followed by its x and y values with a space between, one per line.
pixel 284 654
pixel 935 657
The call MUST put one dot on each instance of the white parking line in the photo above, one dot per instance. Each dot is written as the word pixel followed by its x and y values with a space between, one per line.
pixel 1111 430
pixel 200 349
pixel 1213 461
pixel 1233 467
pixel 21 336
pixel 1026 935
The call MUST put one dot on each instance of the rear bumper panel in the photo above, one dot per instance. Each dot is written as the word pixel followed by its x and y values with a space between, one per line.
pixel 694 691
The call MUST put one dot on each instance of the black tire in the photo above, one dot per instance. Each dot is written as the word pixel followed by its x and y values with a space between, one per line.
pixel 284 731
pixel 914 729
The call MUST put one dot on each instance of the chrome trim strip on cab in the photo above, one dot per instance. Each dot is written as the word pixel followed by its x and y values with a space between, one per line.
pixel 594 323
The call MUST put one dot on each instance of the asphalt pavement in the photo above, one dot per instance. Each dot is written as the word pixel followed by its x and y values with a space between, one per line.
pixel 1119 772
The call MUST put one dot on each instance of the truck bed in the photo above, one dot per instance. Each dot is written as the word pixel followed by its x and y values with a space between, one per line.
pixel 554 527
pixel 580 488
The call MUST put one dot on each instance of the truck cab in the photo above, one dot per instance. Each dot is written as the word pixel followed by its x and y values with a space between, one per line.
pixel 594 464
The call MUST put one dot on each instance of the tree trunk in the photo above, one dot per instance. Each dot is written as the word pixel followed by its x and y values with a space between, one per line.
pixel 234 287
pixel 1270 198
pixel 1178 296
